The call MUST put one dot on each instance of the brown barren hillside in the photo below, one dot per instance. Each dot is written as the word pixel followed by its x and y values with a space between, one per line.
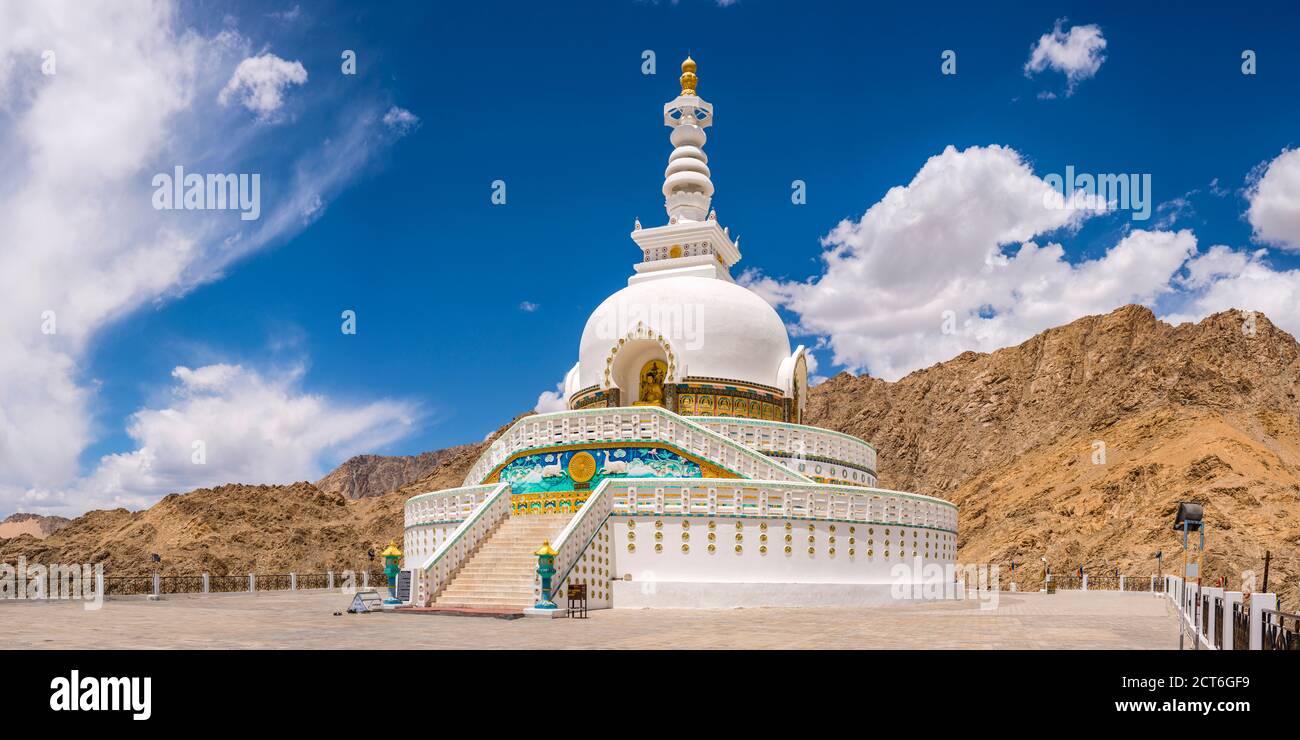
pixel 266 529
pixel 228 529
pixel 1200 412
pixel 31 524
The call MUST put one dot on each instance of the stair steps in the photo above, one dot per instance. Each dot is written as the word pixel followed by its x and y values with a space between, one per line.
pixel 500 575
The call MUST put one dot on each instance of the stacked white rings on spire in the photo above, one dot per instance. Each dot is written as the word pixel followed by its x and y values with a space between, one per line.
pixel 687 187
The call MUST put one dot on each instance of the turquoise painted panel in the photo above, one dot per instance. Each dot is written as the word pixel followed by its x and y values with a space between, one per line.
pixel 549 471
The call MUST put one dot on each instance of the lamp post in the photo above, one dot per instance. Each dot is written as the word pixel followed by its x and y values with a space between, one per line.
pixel 545 569
pixel 157 577
pixel 391 555
pixel 1191 518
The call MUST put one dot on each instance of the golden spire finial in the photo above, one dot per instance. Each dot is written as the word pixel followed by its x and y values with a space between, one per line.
pixel 688 79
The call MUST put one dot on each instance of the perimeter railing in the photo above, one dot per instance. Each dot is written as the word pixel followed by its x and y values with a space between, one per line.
pixel 629 424
pixel 1231 620
pixel 1240 626
pixel 1281 630
pixel 159 584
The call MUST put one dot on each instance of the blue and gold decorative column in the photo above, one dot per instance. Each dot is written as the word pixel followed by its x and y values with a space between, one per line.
pixel 545 569
pixel 391 557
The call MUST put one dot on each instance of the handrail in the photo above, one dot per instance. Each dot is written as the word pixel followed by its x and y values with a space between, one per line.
pixel 446 500
pixel 599 505
pixel 809 487
pixel 502 448
pixel 485 517
pixel 783 425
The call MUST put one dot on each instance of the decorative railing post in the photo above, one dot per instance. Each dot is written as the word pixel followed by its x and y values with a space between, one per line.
pixel 293 581
pixel 207 586
pixel 1258 603
pixel 329 580
pixel 252 583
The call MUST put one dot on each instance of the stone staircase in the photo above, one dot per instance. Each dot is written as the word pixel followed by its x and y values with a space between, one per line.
pixel 501 573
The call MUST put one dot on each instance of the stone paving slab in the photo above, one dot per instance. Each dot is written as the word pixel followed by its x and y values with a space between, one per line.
pixel 1066 620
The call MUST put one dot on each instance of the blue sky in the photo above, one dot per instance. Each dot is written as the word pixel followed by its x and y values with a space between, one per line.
pixel 396 223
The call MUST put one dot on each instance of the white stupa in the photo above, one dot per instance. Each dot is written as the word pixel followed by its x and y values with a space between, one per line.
pixel 682 474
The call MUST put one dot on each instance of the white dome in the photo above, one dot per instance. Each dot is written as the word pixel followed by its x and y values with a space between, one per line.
pixel 708 328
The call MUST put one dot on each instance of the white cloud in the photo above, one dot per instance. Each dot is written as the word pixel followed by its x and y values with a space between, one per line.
pixel 1221 279
pixel 133 95
pixel 401 120
pixel 550 401
pixel 1076 53
pixel 262 81
pixel 252 428
pixel 287 16
pixel 1275 202
pixel 528 306
pixel 959 239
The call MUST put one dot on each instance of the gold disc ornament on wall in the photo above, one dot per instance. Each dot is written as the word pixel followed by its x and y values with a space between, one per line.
pixel 582 467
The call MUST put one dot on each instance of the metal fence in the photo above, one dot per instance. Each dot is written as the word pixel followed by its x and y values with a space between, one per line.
pixel 1067 583
pixel 227 584
pixel 1240 626
pixel 314 580
pixel 141 585
pixel 180 584
pixel 1281 630
pixel 1137 583
pixel 1217 638
pixel 273 582
pixel 1205 614
pixel 127 585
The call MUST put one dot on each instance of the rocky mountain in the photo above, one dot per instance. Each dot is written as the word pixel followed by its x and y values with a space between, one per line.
pixel 363 476
pixel 302 527
pixel 228 529
pixel 34 525
pixel 1075 446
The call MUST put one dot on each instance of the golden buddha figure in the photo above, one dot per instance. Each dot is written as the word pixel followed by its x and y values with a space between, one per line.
pixel 652 383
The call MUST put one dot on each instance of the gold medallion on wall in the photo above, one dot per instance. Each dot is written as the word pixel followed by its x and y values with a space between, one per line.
pixel 582 466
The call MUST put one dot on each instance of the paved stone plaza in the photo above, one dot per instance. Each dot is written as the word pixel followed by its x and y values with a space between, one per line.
pixel 1069 620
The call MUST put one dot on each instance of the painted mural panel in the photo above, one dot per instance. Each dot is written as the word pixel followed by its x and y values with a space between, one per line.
pixel 583 470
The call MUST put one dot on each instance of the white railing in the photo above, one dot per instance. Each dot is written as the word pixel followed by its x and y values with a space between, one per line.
pixel 1213 627
pixel 633 424
pixel 448 505
pixel 436 572
pixel 720 497
pixel 793 440
pixel 573 540
pixel 779 500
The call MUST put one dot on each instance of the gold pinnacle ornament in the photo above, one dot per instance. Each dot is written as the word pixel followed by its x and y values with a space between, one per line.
pixel 688 79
